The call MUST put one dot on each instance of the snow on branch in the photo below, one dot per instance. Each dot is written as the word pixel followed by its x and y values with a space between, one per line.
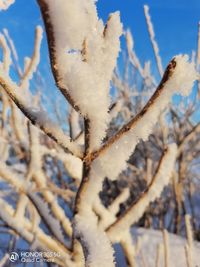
pixel 24 186
pixel 166 248
pixel 83 55
pixel 38 117
pixel 21 206
pixel 51 222
pixel 32 66
pixel 17 226
pixel 36 172
pixel 96 245
pixel 13 52
pixel 10 177
pixel 134 60
pixel 6 53
pixel 178 78
pixel 72 164
pixel 4 260
pixel 159 181
pixel 39 238
pixel 107 216
pixel 198 48
pixel 129 249
pixel 122 197
pixel 153 41
pixel 7 61
pixel 99 250
pixel 189 247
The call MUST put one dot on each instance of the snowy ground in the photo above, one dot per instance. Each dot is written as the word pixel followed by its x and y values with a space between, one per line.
pixel 147 242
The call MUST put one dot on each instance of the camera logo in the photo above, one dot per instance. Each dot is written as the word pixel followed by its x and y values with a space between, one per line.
pixel 14 257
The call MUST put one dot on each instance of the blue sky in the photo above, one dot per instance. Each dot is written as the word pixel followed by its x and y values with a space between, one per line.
pixel 175 24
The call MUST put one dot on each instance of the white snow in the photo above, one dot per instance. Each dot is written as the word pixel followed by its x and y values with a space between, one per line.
pixel 147 242
pixel 95 239
pixel 73 165
pixel 86 56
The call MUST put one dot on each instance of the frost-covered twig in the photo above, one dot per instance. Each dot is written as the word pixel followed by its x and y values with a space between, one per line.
pixel 122 197
pixel 41 240
pixel 166 248
pixel 72 164
pixel 133 57
pixel 10 177
pixel 51 223
pixel 21 206
pixel 32 66
pixel 159 249
pixel 23 188
pixel 189 247
pixel 107 216
pixel 6 54
pixel 153 41
pixel 38 117
pixel 178 78
pixel 195 130
pixel 198 48
pixel 4 260
pixel 74 124
pixel 13 51
pixel 37 174
pixel 129 249
pixel 6 66
pixel 135 60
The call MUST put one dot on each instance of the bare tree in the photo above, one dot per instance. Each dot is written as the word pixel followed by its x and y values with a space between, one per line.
pixel 53 179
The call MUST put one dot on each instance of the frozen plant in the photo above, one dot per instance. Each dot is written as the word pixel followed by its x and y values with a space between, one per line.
pixel 83 54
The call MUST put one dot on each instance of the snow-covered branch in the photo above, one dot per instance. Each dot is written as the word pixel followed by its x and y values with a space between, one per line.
pixel 153 41
pixel 34 61
pixel 85 51
pixel 38 117
pixel 178 79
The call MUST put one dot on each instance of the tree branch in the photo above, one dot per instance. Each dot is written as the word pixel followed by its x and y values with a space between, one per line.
pixel 38 117
pixel 126 128
pixel 51 45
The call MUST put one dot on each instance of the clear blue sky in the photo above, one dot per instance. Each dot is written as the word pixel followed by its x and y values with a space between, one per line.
pixel 175 22
pixel 175 25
